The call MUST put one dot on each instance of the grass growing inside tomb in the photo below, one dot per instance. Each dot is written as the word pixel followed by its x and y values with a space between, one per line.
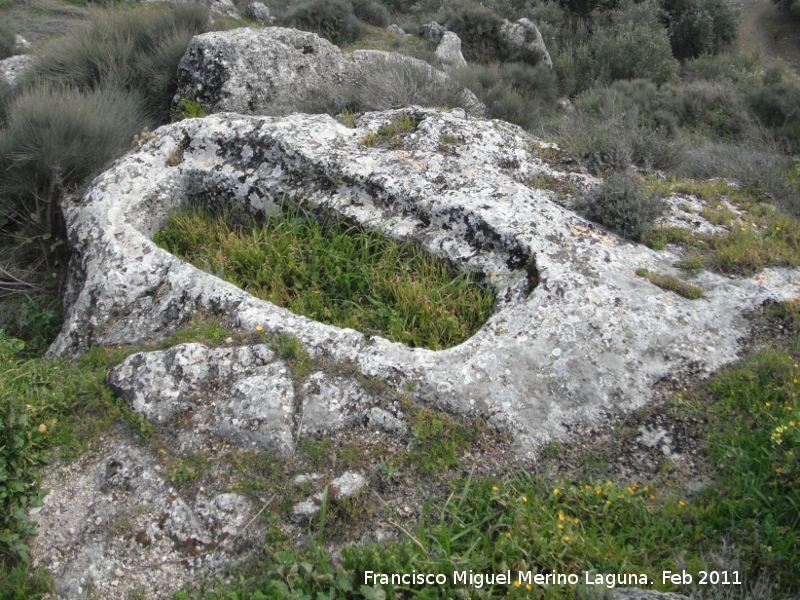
pixel 336 274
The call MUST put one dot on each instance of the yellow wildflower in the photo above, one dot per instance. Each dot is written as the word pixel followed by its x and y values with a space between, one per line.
pixel 556 491
pixel 259 328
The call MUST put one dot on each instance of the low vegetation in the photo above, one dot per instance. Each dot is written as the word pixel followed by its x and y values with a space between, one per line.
pixel 530 521
pixel 651 87
pixel 758 235
pixel 621 204
pixel 672 284
pixel 336 274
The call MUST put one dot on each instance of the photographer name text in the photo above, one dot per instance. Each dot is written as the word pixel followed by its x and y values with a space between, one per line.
pixel 530 578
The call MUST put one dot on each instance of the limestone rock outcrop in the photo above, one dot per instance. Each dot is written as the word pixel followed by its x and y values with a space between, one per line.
pixel 575 333
pixel 277 71
pixel 106 528
pixel 448 52
pixel 524 36
pixel 13 68
pixel 433 32
pixel 259 13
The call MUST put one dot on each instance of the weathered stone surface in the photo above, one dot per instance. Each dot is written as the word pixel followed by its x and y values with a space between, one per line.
pixel 448 52
pixel 278 71
pixel 259 13
pixel 347 485
pixel 243 394
pixel 386 421
pixel 224 8
pixel 14 67
pixel 575 333
pixel 330 403
pixel 433 32
pixel 524 36
pixel 113 527
pixel 395 28
pixel 21 45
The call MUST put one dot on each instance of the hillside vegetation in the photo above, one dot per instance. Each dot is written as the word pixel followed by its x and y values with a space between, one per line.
pixel 656 94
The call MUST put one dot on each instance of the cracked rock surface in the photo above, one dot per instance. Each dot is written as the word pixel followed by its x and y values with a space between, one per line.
pixel 278 71
pixel 575 333
pixel 118 528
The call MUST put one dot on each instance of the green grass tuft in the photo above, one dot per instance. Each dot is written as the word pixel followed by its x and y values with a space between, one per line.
pixel 336 274
pixel 672 284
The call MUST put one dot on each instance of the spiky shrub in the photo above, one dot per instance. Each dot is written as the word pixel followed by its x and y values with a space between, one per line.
pixel 54 140
pixel 6 42
pixel 778 107
pixel 394 83
pixel 621 204
pixel 332 19
pixel 371 12
pixel 136 50
pixel 514 92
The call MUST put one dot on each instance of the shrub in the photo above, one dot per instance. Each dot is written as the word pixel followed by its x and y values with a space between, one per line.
pixel 332 19
pixel 637 53
pixel 54 140
pixel 7 42
pixel 575 69
pixel 699 26
pixel 514 92
pixel 716 110
pixel 479 30
pixel 395 83
pixel 743 69
pixel 610 132
pixel 371 12
pixel 778 106
pixel 621 204
pixel 761 169
pixel 136 50
pixel 18 453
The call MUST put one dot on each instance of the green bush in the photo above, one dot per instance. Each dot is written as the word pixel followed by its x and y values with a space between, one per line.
pixel 332 19
pixel 514 92
pixel 371 12
pixel 137 50
pixel 575 68
pixel 742 69
pixel 6 42
pixel 698 27
pixel 637 53
pixel 21 449
pixel 621 204
pixel 620 126
pixel 715 110
pixel 54 140
pixel 778 107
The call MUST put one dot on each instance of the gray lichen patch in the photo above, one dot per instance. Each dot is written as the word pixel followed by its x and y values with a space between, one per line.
pixel 575 335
